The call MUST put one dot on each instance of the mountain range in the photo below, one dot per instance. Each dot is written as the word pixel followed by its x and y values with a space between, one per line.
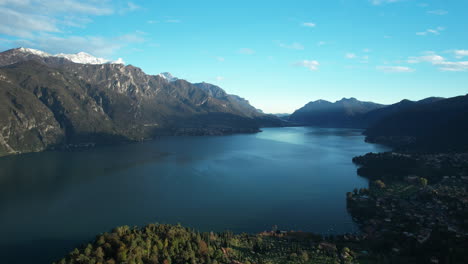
pixel 431 124
pixel 50 101
pixel 72 100
pixel 350 113
pixel 342 113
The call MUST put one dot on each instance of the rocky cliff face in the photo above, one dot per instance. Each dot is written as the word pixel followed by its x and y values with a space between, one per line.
pixel 48 101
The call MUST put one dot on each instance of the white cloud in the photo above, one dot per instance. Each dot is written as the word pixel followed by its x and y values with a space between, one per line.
pixel 350 56
pixel 440 62
pixel 27 18
pixel 220 59
pixel 45 25
pixel 321 43
pixel 429 57
pixel 361 59
pixel 366 50
pixel 456 66
pixel 435 31
pixel 152 21
pixel 438 12
pixel 97 46
pixel 130 8
pixel 394 69
pixel 219 78
pixel 294 46
pixel 47 7
pixel 309 24
pixel 22 25
pixel 246 51
pixel 132 38
pixel 173 21
pixel 460 53
pixel 380 2
pixel 310 64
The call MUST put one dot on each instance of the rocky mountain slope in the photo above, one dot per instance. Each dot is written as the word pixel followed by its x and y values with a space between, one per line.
pixel 49 101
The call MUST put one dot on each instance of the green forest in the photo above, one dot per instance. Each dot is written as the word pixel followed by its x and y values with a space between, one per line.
pixel 169 244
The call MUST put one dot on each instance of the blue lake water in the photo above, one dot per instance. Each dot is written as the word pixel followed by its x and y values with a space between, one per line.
pixel 296 178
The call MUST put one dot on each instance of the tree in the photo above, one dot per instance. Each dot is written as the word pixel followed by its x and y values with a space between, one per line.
pixel 380 184
pixel 99 253
pixel 423 182
pixel 304 256
pixel 202 248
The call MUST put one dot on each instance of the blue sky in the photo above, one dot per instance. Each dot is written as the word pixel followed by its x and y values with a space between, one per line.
pixel 279 55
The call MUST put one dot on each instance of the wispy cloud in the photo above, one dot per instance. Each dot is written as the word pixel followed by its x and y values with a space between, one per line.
pixel 219 78
pixel 321 43
pixel 294 46
pixel 25 25
pixel 104 47
pixel 430 57
pixel 456 66
pixel 167 20
pixel 173 21
pixel 438 12
pixel 394 69
pixel 220 59
pixel 354 56
pixel 380 2
pixel 309 24
pixel 27 18
pixel 246 51
pixel 130 7
pixel 441 62
pixel 435 31
pixel 460 53
pixel 350 56
pixel 137 37
pixel 309 64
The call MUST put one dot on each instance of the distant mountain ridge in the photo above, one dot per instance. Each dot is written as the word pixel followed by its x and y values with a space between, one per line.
pixel 370 118
pixel 432 124
pixel 342 113
pixel 351 112
pixel 51 101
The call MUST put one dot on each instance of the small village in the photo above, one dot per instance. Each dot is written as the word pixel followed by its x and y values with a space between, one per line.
pixel 416 214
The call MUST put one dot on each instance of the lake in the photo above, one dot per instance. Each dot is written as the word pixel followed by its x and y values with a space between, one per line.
pixel 295 177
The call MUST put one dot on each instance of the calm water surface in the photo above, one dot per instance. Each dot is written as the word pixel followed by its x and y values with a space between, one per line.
pixel 295 178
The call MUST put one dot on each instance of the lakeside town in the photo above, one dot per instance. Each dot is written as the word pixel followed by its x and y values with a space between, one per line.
pixel 421 216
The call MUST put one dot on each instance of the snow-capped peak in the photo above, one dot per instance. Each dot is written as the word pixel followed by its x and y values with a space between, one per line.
pixel 35 52
pixel 167 76
pixel 118 61
pixel 80 57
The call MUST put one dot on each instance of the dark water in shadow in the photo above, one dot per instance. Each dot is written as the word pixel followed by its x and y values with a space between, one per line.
pixel 295 178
